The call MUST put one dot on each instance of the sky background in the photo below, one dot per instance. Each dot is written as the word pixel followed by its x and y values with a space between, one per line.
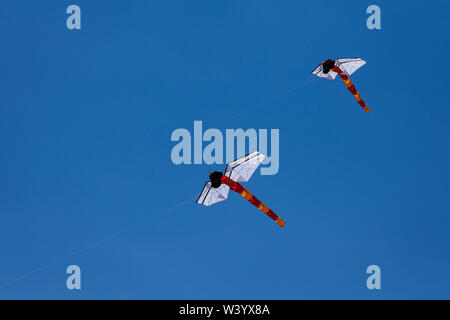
pixel 85 124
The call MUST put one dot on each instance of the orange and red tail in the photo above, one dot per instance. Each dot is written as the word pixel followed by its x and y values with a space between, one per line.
pixel 351 88
pixel 237 187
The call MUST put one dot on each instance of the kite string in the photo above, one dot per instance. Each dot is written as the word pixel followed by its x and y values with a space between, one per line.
pixel 116 234
pixel 273 98
pixel 95 243
pixel 301 84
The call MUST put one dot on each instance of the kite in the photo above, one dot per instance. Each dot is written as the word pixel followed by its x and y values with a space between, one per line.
pixel 239 170
pixel 343 67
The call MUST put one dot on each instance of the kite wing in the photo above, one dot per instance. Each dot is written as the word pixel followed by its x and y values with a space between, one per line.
pixel 319 72
pixel 349 65
pixel 211 195
pixel 242 169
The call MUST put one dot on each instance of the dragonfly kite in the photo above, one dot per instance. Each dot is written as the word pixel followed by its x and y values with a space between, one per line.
pixel 239 170
pixel 343 67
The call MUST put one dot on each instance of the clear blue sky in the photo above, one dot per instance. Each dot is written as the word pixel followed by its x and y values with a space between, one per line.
pixel 85 124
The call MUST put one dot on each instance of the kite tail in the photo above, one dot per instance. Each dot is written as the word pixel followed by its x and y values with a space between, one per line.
pixel 237 187
pixel 351 88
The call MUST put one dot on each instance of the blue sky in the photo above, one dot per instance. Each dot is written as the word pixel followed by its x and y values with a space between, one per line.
pixel 85 124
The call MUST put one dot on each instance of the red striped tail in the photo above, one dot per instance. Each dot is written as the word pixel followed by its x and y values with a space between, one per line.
pixel 351 88
pixel 237 187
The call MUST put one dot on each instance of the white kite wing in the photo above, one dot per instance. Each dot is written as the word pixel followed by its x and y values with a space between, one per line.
pixel 319 72
pixel 349 65
pixel 211 195
pixel 242 169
